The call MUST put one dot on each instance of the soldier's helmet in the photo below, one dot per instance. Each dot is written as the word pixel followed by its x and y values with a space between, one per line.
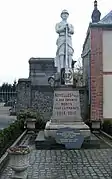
pixel 64 12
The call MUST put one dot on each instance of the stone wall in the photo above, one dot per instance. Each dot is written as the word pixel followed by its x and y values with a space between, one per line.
pixel 40 69
pixel 23 94
pixel 40 98
pixel 86 56
pixel 83 102
pixel 86 59
pixel 35 91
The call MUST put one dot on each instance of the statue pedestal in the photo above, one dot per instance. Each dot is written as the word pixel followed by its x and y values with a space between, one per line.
pixel 51 128
pixel 66 113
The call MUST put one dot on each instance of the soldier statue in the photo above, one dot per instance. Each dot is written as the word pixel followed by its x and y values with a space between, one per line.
pixel 63 60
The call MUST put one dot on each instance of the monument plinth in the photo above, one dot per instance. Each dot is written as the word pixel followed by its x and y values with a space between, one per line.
pixel 66 113
pixel 71 138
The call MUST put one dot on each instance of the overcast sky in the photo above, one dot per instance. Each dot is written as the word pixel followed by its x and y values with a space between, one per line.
pixel 27 29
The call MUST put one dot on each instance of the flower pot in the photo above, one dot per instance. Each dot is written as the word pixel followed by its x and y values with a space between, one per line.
pixel 19 161
pixel 30 124
pixel 96 125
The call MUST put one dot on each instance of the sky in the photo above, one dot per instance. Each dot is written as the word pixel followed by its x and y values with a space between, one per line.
pixel 27 29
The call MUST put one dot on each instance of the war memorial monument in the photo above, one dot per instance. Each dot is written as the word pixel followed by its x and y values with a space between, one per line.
pixel 66 116
pixel 47 155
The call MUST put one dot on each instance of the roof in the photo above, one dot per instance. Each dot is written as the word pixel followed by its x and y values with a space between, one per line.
pixel 106 21
pixel 36 60
pixel 41 58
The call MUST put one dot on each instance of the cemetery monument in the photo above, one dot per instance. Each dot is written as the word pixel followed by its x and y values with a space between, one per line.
pixel 66 107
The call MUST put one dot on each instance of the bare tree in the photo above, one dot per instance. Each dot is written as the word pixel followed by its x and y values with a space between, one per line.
pixel 78 66
pixel 78 72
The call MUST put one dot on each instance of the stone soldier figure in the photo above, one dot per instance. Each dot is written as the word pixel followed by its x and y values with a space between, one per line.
pixel 63 60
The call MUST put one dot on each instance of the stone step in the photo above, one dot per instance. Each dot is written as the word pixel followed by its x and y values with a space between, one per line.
pixel 48 143
pixel 42 143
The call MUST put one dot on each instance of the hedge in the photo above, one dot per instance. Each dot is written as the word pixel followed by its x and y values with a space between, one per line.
pixel 10 134
pixel 40 123
pixel 107 126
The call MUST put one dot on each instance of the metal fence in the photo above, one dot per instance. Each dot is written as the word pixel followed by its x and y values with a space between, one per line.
pixel 8 96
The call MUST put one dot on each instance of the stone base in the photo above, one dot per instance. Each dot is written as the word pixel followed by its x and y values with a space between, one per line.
pixel 19 175
pixel 48 143
pixel 51 128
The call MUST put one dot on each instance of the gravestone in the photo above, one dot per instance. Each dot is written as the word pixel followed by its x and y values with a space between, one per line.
pixel 71 138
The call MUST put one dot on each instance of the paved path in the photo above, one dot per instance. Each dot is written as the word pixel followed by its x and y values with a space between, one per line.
pixel 68 164
pixel 5 119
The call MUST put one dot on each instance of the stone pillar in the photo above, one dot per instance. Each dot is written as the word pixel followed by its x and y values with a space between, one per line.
pixel 23 94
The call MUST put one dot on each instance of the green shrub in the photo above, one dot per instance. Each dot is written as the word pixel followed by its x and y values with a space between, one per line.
pixel 40 123
pixel 107 126
pixel 26 114
pixel 10 134
pixel 107 122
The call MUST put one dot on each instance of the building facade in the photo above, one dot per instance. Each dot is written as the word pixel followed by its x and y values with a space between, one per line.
pixel 97 67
